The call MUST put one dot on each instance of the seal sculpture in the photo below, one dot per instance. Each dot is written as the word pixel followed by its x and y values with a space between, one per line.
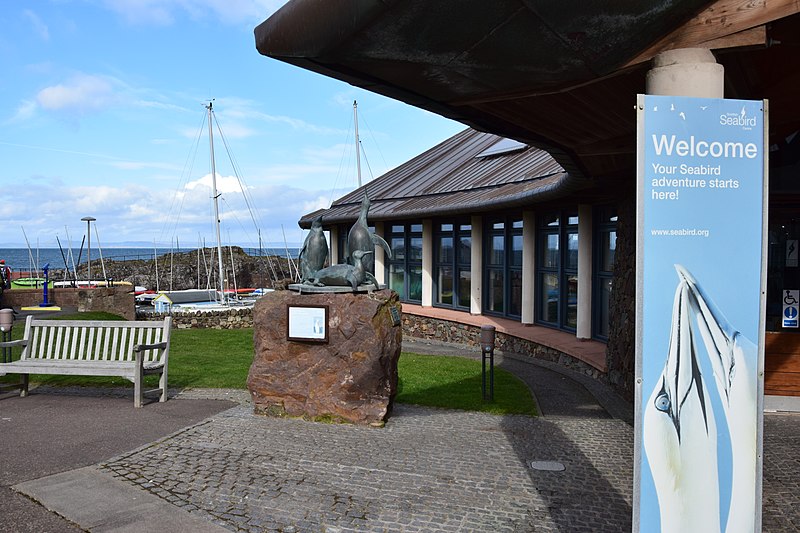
pixel 344 274
pixel 361 238
pixel 314 251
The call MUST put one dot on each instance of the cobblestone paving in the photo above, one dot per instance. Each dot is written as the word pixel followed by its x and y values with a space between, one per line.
pixel 428 470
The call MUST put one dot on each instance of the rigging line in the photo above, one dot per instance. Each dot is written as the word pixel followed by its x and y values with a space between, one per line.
pixel 185 174
pixel 249 201
pixel 345 151
pixel 372 177
pixel 371 134
pixel 242 184
pixel 232 213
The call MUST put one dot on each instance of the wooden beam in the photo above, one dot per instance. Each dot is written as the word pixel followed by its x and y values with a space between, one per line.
pixel 719 23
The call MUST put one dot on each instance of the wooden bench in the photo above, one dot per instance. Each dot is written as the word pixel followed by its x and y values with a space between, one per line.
pixel 121 348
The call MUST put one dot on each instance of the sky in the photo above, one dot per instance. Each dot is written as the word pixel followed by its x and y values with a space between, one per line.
pixel 103 114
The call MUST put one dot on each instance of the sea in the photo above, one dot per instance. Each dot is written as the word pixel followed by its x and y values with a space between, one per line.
pixel 31 260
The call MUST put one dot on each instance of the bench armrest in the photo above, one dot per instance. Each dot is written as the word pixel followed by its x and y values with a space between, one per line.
pixel 11 344
pixel 156 346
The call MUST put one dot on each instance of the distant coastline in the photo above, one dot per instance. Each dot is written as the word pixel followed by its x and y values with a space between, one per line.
pixel 22 259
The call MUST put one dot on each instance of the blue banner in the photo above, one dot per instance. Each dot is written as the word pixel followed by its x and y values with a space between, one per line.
pixel 701 216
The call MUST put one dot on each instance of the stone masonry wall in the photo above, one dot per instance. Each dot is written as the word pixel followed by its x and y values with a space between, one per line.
pixel 117 300
pixel 622 320
pixel 413 326
pixel 444 331
pixel 228 319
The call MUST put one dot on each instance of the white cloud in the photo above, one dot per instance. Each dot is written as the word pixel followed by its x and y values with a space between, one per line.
pixel 225 184
pixel 83 92
pixel 38 26
pixel 25 111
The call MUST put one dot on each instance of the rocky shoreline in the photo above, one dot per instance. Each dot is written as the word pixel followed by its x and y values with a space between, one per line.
pixel 188 270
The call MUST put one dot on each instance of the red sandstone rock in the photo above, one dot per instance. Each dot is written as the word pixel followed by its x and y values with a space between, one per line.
pixel 352 377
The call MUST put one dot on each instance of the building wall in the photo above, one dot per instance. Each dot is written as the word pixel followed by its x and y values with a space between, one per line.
pixel 621 352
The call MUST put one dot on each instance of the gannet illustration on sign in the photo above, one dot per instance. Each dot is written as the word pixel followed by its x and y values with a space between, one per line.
pixel 680 425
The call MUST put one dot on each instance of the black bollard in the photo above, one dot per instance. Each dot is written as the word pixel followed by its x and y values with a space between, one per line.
pixel 487 350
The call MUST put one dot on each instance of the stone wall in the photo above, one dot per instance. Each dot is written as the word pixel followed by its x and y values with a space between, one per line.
pixel 236 318
pixel 117 300
pixel 445 331
pixel 622 320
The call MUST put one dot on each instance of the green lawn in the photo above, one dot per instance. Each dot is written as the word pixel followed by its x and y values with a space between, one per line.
pixel 218 358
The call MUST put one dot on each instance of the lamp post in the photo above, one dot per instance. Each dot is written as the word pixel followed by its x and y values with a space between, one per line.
pixel 89 221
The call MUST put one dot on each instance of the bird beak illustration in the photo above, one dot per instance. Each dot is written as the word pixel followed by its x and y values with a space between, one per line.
pixel 681 382
pixel 719 336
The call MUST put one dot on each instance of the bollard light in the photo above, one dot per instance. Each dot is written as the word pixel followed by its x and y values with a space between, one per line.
pixel 487 337
pixel 6 319
pixel 487 351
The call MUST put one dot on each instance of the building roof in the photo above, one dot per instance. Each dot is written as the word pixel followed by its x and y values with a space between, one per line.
pixel 470 172
pixel 562 76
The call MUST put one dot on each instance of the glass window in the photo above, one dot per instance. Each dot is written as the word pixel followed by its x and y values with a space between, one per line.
pixel 550 256
pixel 496 291
pixel 464 248
pixel 397 278
pixel 557 270
pixel 398 245
pixel 605 231
pixel 504 267
pixel 444 284
pixel 415 283
pixel 415 249
pixel 496 252
pixel 548 310
pixel 516 250
pixel 451 276
pixel 608 247
pixel 445 250
pixel 571 260
pixel 464 288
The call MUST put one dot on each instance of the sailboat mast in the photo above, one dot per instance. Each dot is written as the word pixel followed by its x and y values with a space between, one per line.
pixel 358 154
pixel 215 196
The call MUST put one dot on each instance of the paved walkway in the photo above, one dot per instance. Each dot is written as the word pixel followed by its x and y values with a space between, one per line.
pixel 428 470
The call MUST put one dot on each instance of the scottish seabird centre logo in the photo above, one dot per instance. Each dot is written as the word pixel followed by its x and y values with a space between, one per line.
pixel 738 119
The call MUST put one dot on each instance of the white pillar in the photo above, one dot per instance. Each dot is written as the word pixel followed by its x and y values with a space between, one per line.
pixel 476 266
pixel 686 72
pixel 528 267
pixel 584 327
pixel 427 262
pixel 380 256
pixel 333 245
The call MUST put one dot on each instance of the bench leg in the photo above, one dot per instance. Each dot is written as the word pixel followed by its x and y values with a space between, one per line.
pixel 138 377
pixel 23 385
pixel 162 383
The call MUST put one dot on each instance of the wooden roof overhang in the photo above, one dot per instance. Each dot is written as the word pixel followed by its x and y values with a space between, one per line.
pixel 562 76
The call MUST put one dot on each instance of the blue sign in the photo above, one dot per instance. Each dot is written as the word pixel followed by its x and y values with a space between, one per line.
pixel 699 293
pixel 791 302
